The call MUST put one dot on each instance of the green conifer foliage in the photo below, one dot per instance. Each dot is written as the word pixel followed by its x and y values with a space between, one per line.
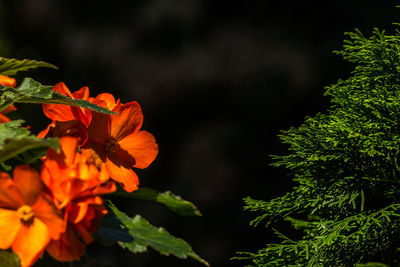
pixel 346 166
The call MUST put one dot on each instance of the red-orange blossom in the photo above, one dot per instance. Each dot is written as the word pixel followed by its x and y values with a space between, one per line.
pixel 59 209
pixel 28 218
pixel 116 142
pixel 76 187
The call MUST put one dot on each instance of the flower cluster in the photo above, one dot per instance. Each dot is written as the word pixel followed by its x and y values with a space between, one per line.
pixel 58 208
pixel 115 142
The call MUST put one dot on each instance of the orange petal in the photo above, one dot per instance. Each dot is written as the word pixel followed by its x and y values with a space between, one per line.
pixel 78 211
pixel 108 99
pixel 30 242
pixel 123 175
pixel 7 81
pixel 49 215
pixel 127 122
pixel 48 168
pixel 99 128
pixel 46 131
pixel 72 128
pixel 9 109
pixel 142 147
pixel 90 223
pixel 28 182
pixel 9 227
pixel 69 146
pixel 76 187
pixel 68 152
pixel 58 112
pixel 80 116
pixel 10 196
pixel 83 233
pixel 3 118
pixel 67 248
pixel 82 93
pixel 93 190
pixel 107 188
pixel 62 89
pixel 123 156
pixel 88 116
pixel 104 174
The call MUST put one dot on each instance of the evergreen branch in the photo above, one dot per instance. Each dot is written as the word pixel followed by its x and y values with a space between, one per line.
pixel 346 170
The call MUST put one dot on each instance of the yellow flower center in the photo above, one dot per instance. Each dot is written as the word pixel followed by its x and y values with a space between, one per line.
pixel 111 145
pixel 25 214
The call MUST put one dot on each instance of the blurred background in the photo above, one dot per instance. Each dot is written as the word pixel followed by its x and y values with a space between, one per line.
pixel 217 81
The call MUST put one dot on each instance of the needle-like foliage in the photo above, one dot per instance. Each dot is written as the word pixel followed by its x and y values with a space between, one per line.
pixel 345 163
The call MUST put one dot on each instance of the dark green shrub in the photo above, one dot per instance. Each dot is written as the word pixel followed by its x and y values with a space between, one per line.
pixel 345 163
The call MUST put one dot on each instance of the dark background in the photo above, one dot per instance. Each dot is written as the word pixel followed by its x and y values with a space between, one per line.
pixel 217 81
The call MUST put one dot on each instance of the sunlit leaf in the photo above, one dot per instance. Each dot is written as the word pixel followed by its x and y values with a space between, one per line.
pixel 146 235
pixel 173 202
pixel 15 139
pixel 10 66
pixel 112 230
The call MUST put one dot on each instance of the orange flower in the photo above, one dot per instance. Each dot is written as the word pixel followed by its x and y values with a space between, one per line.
pixel 117 143
pixel 7 82
pixel 67 120
pixel 67 248
pixel 81 226
pixel 76 187
pixel 67 113
pixel 70 247
pixel 28 218
pixel 8 109
pixel 68 175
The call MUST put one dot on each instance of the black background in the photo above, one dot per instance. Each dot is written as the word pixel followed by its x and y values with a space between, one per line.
pixel 217 81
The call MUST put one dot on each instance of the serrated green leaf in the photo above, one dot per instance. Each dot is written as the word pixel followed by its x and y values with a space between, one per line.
pixel 8 259
pixel 31 91
pixel 12 129
pixel 111 231
pixel 169 199
pixel 16 146
pixel 11 66
pixel 146 235
pixel 15 139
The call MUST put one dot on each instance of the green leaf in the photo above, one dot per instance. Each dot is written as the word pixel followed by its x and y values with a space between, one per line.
pixel 173 202
pixel 15 139
pixel 31 91
pixel 111 231
pixel 371 264
pixel 10 66
pixel 12 129
pixel 8 259
pixel 144 235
